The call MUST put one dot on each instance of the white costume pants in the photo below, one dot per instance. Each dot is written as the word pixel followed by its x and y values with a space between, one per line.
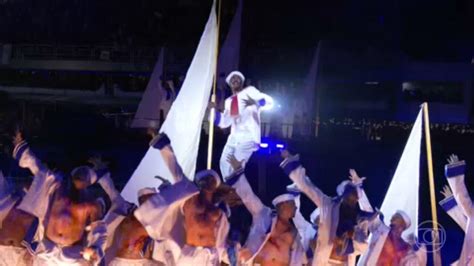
pixel 129 262
pixel 14 256
pixel 194 256
pixel 242 152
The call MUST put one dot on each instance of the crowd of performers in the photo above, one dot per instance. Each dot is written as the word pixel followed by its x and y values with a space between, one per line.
pixel 56 220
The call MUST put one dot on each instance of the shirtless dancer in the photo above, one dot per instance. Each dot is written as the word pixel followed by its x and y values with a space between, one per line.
pixel 187 213
pixel 387 247
pixel 273 238
pixel 341 236
pixel 64 211
pixel 133 245
pixel 14 226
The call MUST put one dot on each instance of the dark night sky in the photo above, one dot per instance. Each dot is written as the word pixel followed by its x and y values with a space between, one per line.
pixel 424 29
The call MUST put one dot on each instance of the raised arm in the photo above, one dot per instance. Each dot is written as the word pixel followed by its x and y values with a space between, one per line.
pixel 451 207
pixel 258 98
pixel 45 182
pixel 26 158
pixel 454 171
pixel 364 202
pixel 104 179
pixel 239 182
pixel 163 143
pixel 293 168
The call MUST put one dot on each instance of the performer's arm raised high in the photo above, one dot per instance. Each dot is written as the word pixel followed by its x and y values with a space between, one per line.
pixel 450 206
pixel 163 143
pixel 67 212
pixel 455 174
pixel 454 171
pixel 297 174
pixel 273 238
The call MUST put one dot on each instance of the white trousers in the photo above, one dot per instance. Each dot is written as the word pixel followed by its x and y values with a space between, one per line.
pixel 194 256
pixel 50 254
pixel 242 152
pixel 14 256
pixel 130 262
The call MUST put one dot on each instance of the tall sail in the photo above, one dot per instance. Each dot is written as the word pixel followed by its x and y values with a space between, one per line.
pixel 148 112
pixel 184 121
pixel 406 181
pixel 229 56
pixel 311 79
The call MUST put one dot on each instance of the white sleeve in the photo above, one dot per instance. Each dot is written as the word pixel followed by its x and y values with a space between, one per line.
pixel 451 207
pixel 263 100
pixel 242 187
pixel 223 120
pixel 455 176
pixel 298 176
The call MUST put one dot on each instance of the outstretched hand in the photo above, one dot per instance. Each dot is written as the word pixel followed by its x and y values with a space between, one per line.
pixel 211 105
pixel 165 183
pixel 453 158
pixel 90 254
pixel 249 102
pixel 354 177
pixel 97 162
pixel 446 192
pixel 236 164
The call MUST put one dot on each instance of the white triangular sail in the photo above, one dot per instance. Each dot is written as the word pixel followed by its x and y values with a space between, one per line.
pixel 311 78
pixel 148 112
pixel 403 191
pixel 184 121
pixel 229 56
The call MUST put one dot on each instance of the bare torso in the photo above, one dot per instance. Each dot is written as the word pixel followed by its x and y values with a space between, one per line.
pixel 14 227
pixel 200 222
pixel 68 220
pixel 393 251
pixel 130 239
pixel 277 250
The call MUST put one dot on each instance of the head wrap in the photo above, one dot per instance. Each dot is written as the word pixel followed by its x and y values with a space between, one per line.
pixel 405 217
pixel 282 198
pixel 205 173
pixel 234 73
pixel 85 171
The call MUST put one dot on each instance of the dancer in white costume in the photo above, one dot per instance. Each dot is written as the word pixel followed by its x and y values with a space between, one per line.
pixel 387 247
pixel 242 114
pixel 69 230
pixel 14 226
pixel 187 213
pixel 274 237
pixel 131 244
pixel 451 207
pixel 454 171
pixel 341 234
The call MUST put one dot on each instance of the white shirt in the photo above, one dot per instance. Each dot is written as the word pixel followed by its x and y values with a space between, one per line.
pixel 246 125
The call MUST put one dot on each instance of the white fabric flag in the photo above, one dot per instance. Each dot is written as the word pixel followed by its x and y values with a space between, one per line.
pixel 184 121
pixel 148 112
pixel 403 191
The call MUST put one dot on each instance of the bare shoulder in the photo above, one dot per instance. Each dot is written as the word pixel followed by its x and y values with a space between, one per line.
pixel 95 209
pixel 190 203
